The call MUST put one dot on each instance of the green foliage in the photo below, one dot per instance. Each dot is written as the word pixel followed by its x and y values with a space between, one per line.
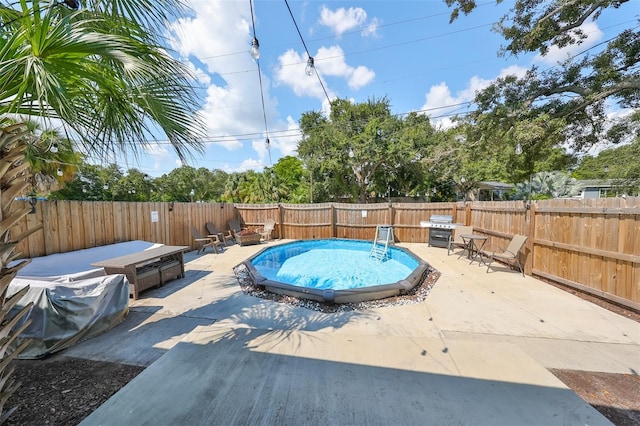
pixel 207 185
pixel 292 180
pixel 92 183
pixel 618 164
pixel 362 150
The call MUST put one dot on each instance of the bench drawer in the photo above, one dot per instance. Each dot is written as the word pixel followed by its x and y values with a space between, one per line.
pixel 147 277
pixel 170 270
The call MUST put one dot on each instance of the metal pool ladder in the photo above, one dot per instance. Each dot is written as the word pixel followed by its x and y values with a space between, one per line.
pixel 381 241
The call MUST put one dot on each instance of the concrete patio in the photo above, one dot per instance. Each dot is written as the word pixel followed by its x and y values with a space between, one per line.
pixel 475 352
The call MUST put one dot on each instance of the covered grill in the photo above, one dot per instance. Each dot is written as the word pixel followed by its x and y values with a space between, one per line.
pixel 441 227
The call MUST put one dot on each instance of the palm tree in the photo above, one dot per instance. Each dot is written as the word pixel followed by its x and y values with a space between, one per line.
pixel 102 74
pixel 100 71
pixel 52 159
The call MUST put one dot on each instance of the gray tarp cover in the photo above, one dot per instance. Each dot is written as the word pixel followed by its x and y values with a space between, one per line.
pixel 66 313
pixel 72 300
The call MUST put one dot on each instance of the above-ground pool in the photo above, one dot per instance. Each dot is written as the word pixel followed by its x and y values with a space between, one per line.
pixel 335 270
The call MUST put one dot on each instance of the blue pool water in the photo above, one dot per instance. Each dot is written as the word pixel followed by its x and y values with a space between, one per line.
pixel 332 264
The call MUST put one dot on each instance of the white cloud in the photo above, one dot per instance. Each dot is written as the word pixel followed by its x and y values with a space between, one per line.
pixel 556 54
pixel 291 73
pixel 440 101
pixel 329 62
pixel 251 164
pixel 200 75
pixel 160 155
pixel 288 145
pixel 342 20
pixel 516 70
pixel 260 146
pixel 371 30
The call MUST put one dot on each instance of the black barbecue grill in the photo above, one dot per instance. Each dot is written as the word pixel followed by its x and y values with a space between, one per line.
pixel 441 228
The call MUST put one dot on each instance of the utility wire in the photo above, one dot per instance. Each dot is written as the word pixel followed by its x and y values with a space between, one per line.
pixel 310 58
pixel 296 133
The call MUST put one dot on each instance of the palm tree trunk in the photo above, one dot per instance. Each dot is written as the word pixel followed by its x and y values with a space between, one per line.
pixel 14 179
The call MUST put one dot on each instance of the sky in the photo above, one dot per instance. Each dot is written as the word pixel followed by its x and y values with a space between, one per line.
pixel 406 51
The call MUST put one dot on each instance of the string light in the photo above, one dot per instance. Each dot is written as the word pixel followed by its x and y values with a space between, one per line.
pixel 264 112
pixel 310 62
pixel 310 66
pixel 255 49
pixel 518 149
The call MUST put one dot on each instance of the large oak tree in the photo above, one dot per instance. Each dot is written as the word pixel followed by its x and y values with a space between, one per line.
pixel 575 94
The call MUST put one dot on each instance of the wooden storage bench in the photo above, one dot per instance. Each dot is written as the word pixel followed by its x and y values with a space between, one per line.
pixel 148 268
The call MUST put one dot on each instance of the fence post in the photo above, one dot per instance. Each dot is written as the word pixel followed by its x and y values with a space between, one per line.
pixel 332 211
pixel 281 221
pixel 528 265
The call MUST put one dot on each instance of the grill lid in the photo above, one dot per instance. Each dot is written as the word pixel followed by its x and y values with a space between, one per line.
pixel 441 218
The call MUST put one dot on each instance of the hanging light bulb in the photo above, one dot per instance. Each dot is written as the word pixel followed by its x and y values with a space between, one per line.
pixel 518 149
pixel 310 66
pixel 59 172
pixel 54 148
pixel 255 49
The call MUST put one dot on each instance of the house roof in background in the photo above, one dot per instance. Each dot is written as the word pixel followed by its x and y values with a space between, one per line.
pixel 497 186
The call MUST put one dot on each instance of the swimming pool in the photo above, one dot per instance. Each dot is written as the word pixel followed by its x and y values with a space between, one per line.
pixel 335 270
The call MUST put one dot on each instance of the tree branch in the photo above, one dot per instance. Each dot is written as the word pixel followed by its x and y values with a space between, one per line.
pixel 575 24
pixel 589 100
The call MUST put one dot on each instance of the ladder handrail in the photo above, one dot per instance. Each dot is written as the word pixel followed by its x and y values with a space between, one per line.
pixel 376 251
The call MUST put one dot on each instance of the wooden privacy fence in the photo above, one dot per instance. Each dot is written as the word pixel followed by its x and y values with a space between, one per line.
pixel 75 225
pixel 341 220
pixel 593 245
